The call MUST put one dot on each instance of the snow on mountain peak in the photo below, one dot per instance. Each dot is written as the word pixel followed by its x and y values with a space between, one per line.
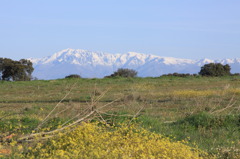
pixel 99 64
pixel 204 61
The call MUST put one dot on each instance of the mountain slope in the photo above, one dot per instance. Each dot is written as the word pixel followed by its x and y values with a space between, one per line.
pixel 98 64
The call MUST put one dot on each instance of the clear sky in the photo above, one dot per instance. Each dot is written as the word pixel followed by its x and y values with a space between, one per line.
pixel 192 29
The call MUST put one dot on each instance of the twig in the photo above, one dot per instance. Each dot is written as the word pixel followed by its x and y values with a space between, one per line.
pixel 101 117
pixel 87 115
pixel 230 104
pixel 42 134
pixel 115 114
pixel 45 119
pixel 109 103
pixel 136 114
pixel 61 111
pixel 84 113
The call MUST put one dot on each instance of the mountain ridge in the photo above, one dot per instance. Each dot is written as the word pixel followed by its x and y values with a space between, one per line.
pixel 91 64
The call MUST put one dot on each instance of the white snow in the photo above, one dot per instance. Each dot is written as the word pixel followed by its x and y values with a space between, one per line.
pixel 99 64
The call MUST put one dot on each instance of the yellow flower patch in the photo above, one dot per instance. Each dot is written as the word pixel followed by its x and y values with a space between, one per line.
pixel 93 141
pixel 193 93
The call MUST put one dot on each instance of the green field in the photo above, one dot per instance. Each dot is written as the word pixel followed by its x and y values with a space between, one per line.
pixel 203 110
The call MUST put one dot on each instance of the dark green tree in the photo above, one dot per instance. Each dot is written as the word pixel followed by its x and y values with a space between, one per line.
pixel 215 69
pixel 73 76
pixel 124 72
pixel 15 70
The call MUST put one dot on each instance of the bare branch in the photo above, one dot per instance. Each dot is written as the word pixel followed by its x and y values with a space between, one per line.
pixel 45 119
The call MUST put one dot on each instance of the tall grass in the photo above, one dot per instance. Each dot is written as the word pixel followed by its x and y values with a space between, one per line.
pixel 204 111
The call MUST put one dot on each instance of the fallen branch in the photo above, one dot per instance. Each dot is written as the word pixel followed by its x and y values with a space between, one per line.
pixel 136 114
pixel 51 133
pixel 45 119
pixel 230 104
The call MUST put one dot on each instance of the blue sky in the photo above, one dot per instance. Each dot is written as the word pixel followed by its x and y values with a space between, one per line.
pixel 192 29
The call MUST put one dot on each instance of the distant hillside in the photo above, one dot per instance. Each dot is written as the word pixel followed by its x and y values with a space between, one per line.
pixel 98 64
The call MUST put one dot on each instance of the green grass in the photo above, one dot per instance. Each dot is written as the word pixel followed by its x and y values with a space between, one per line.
pixel 209 120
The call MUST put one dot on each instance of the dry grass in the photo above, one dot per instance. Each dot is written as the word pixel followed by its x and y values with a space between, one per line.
pixel 165 101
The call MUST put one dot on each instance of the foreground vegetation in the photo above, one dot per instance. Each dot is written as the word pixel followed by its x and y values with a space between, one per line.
pixel 204 111
pixel 91 140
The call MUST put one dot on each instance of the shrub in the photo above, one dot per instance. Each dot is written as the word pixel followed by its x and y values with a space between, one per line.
pixel 215 69
pixel 73 76
pixel 207 120
pixel 235 74
pixel 179 75
pixel 124 72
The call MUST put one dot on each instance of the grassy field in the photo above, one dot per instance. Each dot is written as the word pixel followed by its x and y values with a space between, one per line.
pixel 205 111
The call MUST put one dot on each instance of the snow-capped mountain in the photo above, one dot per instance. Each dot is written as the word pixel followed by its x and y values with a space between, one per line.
pixel 98 64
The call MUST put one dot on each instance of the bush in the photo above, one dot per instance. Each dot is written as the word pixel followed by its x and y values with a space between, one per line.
pixel 215 69
pixel 207 120
pixel 73 76
pixel 91 140
pixel 235 74
pixel 179 75
pixel 123 72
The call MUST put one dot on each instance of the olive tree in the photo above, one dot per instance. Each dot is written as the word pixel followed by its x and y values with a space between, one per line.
pixel 124 72
pixel 215 69
pixel 11 70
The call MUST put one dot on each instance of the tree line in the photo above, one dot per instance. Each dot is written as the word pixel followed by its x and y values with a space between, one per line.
pixel 211 70
pixel 11 70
